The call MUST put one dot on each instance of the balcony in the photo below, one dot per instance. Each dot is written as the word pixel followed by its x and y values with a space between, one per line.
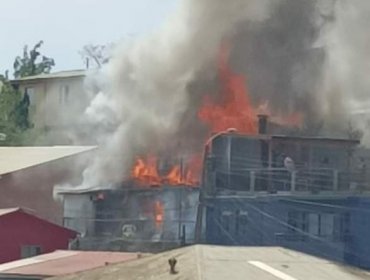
pixel 280 180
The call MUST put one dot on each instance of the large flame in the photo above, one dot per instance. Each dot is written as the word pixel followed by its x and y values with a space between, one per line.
pixel 235 110
pixel 145 172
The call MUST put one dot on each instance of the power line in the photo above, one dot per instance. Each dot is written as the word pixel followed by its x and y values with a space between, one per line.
pixel 281 222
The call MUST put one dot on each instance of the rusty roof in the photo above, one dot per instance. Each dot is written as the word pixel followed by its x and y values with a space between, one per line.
pixel 63 262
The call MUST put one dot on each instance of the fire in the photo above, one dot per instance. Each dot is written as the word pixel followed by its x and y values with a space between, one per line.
pixel 158 214
pixel 235 110
pixel 174 177
pixel 145 172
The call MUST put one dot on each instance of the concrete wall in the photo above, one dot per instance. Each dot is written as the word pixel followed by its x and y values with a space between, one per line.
pixel 49 105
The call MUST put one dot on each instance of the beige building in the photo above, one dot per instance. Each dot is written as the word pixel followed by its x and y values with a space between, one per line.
pixel 56 99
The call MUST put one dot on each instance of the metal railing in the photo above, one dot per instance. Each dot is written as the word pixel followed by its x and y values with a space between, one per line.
pixel 280 179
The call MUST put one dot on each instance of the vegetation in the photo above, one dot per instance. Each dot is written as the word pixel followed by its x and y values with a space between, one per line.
pixel 27 64
pixel 96 55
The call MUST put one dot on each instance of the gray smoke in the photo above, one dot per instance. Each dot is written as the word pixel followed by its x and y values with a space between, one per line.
pixel 300 55
pixel 146 95
pixel 346 84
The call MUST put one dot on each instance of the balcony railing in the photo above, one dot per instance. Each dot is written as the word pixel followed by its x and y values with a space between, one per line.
pixel 280 179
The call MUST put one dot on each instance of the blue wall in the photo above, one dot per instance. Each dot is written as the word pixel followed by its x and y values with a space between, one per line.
pixel 332 228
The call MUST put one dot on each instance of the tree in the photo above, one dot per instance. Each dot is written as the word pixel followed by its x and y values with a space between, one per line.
pixel 28 65
pixel 98 55
pixel 9 100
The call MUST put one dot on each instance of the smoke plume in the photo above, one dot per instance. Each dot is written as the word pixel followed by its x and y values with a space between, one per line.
pixel 146 94
pixel 345 84
pixel 300 56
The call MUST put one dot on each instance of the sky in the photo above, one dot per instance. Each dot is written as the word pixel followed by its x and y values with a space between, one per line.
pixel 66 26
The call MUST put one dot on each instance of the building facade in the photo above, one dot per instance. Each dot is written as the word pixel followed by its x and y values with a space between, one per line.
pixel 56 102
pixel 298 192
pixel 132 218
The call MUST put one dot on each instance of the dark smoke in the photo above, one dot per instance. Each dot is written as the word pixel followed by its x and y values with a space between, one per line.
pixel 288 50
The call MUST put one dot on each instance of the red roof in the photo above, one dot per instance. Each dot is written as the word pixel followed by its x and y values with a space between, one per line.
pixel 7 211
pixel 64 262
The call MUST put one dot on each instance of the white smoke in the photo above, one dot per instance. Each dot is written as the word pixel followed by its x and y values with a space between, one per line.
pixel 145 94
pixel 346 85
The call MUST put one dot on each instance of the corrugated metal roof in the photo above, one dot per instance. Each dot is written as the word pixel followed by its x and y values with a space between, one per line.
pixel 55 75
pixel 64 262
pixel 219 263
pixel 18 158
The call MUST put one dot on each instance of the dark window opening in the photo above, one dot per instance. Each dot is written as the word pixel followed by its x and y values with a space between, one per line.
pixel 28 251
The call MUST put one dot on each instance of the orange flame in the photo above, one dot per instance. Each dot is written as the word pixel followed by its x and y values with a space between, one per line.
pixel 158 214
pixel 235 110
pixel 145 172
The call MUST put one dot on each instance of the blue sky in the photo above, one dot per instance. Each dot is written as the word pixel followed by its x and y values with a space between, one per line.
pixel 67 25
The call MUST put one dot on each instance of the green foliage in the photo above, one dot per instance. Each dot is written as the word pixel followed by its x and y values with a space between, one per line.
pixel 9 100
pixel 28 64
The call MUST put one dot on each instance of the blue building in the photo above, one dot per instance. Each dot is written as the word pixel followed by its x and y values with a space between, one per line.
pixel 303 193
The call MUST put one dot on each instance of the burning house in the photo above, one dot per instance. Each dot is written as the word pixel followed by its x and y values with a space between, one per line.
pixel 143 214
pixel 203 90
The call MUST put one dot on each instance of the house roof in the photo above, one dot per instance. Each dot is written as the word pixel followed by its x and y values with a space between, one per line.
pixel 293 138
pixel 63 262
pixel 215 262
pixel 6 211
pixel 55 75
pixel 18 158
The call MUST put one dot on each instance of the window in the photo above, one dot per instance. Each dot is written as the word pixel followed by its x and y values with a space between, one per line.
pixel 242 221
pixel 226 220
pixel 30 251
pixel 29 93
pixel 323 225
pixel 298 222
pixel 64 95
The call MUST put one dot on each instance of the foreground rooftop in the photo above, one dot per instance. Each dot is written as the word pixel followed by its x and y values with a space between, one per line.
pixel 60 263
pixel 216 262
